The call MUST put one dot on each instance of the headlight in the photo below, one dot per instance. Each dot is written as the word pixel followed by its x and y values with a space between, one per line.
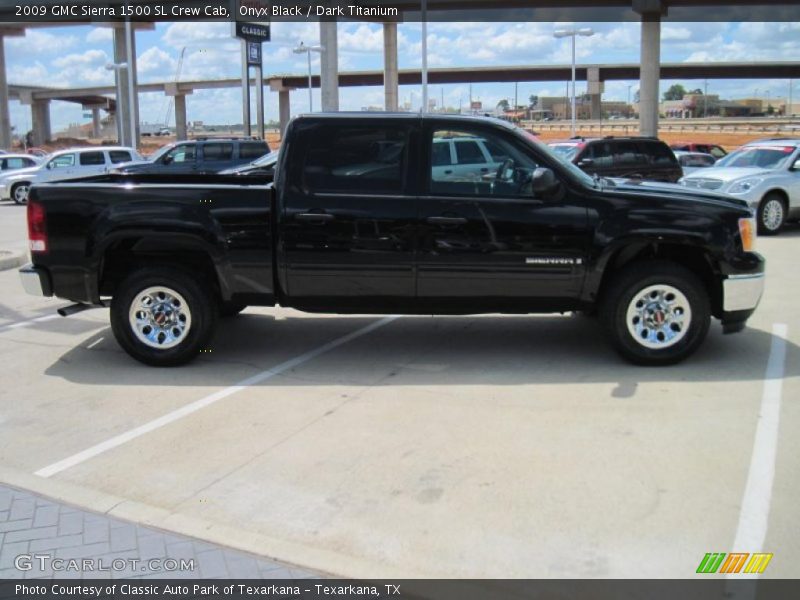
pixel 744 186
pixel 747 230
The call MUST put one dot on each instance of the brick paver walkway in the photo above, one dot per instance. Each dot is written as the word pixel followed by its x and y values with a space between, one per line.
pixel 32 525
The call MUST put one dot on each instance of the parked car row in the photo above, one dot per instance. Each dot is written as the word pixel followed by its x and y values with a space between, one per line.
pixel 18 172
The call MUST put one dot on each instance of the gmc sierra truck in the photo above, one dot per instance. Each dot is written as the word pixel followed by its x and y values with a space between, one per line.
pixel 384 213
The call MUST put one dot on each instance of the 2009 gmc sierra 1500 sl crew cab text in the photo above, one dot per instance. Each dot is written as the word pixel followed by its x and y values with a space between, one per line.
pixel 412 214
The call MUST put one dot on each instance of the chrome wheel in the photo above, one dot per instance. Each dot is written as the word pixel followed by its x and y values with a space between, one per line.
pixel 160 317
pixel 21 193
pixel 772 214
pixel 658 316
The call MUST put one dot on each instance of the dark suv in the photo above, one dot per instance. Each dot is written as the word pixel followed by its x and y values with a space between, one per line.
pixel 627 157
pixel 201 155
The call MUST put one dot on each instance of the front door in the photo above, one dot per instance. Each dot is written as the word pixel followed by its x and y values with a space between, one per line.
pixel 347 222
pixel 486 241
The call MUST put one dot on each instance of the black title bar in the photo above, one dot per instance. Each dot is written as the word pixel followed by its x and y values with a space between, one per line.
pixel 86 11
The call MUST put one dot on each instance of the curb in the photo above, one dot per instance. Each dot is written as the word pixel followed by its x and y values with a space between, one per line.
pixel 10 259
pixel 325 562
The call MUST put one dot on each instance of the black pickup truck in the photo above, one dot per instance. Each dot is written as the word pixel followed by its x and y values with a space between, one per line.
pixel 411 214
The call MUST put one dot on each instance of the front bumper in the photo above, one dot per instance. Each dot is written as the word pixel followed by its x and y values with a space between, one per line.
pixel 4 192
pixel 36 281
pixel 742 292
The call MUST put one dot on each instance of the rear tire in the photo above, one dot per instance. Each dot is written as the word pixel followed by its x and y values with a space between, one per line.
pixel 656 313
pixel 19 192
pixel 771 214
pixel 163 317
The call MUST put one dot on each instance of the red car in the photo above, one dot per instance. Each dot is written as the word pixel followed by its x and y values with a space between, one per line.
pixel 712 149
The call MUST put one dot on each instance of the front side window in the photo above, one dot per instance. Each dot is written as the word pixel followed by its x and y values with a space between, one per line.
pixel 601 154
pixel 180 154
pixel 63 161
pixel 90 159
pixel 218 151
pixel 628 154
pixel 359 159
pixel 487 165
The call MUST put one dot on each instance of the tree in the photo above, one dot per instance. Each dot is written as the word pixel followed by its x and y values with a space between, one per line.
pixel 675 92
pixel 770 110
pixel 503 105
pixel 534 100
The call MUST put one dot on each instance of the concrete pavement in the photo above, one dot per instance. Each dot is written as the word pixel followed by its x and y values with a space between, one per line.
pixel 487 446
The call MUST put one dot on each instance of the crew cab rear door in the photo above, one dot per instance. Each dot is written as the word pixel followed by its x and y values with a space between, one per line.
pixel 348 212
pixel 486 241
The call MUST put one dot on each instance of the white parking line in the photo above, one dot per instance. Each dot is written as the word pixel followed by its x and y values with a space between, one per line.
pixel 193 407
pixel 754 513
pixel 19 324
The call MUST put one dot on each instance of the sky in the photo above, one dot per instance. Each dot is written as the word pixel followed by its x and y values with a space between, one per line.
pixel 76 57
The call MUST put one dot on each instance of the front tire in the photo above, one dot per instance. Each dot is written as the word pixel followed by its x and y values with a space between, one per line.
pixel 162 317
pixel 771 214
pixel 19 192
pixel 656 313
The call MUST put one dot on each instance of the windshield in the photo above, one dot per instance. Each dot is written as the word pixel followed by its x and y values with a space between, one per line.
pixel 567 151
pixel 764 157
pixel 266 160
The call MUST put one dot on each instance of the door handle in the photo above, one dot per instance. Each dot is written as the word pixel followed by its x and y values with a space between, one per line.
pixel 449 172
pixel 446 220
pixel 314 217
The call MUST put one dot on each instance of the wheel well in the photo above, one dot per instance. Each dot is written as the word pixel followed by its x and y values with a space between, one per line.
pixel 126 256
pixel 693 259
pixel 776 192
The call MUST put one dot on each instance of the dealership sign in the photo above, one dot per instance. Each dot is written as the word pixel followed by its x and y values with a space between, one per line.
pixel 244 27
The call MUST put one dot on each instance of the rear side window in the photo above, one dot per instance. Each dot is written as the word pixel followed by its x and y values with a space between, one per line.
pixel 119 156
pixel 716 152
pixel 661 155
pixel 253 150
pixel 92 158
pixel 628 153
pixel 362 159
pixel 218 151
pixel 440 154
pixel 16 163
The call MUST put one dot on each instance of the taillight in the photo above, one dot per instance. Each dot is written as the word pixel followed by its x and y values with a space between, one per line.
pixel 37 228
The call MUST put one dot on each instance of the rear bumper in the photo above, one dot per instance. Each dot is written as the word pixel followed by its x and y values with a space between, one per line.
pixel 36 281
pixel 742 292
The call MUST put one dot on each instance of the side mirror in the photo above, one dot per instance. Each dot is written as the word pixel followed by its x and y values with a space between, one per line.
pixel 51 165
pixel 586 162
pixel 543 181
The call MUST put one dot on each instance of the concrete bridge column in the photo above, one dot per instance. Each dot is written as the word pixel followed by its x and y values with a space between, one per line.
pixel 40 122
pixel 390 74
pixel 180 117
pixel 595 89
pixel 650 74
pixel 179 95
pixel 284 110
pixel 96 133
pixel 124 107
pixel 329 66
pixel 5 117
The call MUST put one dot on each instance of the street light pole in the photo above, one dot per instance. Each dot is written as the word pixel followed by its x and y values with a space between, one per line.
pixel 303 49
pixel 573 33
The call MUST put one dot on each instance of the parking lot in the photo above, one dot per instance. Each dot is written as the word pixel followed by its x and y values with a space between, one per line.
pixel 364 446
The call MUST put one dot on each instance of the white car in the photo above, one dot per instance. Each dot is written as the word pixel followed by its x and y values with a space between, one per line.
pixel 64 165
pixel 693 161
pixel 464 159
pixel 765 173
